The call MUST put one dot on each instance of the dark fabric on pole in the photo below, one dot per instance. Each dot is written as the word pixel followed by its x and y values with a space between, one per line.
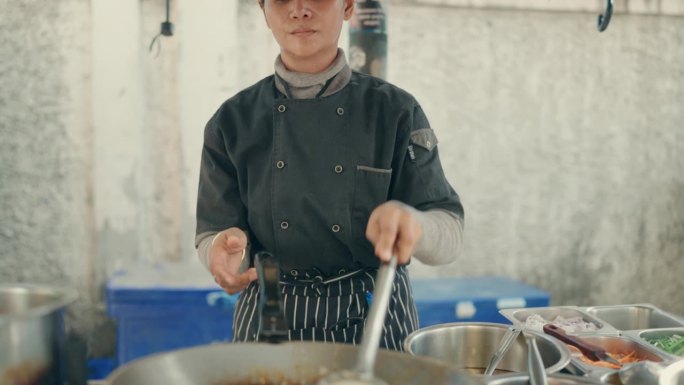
pixel 368 38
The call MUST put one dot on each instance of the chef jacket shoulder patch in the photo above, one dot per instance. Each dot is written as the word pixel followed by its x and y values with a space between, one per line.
pixel 424 137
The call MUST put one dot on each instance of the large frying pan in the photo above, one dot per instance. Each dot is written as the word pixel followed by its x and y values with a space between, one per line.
pixel 300 363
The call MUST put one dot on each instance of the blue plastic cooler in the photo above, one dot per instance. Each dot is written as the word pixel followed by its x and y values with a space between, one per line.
pixel 472 299
pixel 167 306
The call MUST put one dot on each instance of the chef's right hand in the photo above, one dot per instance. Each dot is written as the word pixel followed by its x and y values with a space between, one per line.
pixel 225 256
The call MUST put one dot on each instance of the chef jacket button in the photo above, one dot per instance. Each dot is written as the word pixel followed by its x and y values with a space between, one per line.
pixel 284 225
pixel 294 273
pixel 338 169
pixel 281 108
pixel 280 164
pixel 340 111
pixel 341 271
pixel 336 228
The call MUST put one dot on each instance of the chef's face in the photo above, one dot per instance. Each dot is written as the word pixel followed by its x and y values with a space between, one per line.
pixel 307 31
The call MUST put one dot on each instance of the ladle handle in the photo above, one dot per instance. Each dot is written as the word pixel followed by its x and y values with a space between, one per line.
pixel 590 351
pixel 505 344
pixel 376 317
pixel 272 323
pixel 535 365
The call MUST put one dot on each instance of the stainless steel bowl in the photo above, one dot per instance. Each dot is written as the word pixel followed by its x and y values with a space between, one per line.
pixel 632 317
pixel 470 346
pixel 32 334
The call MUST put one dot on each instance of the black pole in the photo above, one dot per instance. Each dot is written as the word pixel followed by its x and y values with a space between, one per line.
pixel 368 38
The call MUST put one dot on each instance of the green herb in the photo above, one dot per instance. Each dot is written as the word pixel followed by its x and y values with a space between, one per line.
pixel 673 344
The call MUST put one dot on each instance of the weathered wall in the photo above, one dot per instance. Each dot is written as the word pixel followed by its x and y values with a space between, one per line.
pixel 47 230
pixel 566 145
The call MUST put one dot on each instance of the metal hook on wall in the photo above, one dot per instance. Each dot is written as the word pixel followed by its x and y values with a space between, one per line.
pixel 604 20
pixel 166 29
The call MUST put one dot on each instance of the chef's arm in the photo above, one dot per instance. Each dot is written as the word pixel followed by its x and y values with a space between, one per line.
pixel 442 240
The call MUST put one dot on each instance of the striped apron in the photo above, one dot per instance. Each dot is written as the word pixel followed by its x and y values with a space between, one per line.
pixel 334 312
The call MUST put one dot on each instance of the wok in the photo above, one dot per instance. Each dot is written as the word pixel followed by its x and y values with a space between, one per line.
pixel 288 363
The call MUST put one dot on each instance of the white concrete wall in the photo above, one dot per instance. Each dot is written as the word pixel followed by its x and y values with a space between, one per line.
pixel 566 145
pixel 47 189
pixel 643 7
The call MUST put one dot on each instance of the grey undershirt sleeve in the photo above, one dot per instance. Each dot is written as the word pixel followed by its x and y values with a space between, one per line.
pixel 203 247
pixel 442 240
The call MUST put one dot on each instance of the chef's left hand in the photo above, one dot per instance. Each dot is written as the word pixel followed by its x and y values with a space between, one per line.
pixel 393 229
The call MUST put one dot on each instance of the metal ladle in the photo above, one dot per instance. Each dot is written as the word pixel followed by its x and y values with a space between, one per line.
pixel 535 365
pixel 506 342
pixel 363 373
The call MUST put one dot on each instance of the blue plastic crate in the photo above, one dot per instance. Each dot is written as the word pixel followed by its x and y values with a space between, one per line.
pixel 472 299
pixel 100 368
pixel 167 306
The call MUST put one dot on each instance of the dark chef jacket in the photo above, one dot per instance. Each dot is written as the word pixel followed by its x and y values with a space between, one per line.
pixel 302 176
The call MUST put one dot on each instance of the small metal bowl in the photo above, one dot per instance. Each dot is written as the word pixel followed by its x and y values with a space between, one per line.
pixel 470 346
pixel 673 374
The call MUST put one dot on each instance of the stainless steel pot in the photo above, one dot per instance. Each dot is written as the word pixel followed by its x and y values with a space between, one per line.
pixel 470 345
pixel 288 363
pixel 32 334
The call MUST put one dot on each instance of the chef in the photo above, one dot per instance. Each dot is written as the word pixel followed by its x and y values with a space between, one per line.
pixel 330 170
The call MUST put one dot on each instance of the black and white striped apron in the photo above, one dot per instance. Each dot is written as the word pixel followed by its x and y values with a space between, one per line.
pixel 336 312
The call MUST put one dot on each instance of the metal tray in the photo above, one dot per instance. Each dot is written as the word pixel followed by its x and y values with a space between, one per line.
pixel 519 316
pixel 635 316
pixel 641 335
pixel 615 344
pixel 620 328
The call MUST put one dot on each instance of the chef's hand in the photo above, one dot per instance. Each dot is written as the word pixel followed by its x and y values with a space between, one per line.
pixel 393 229
pixel 225 256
